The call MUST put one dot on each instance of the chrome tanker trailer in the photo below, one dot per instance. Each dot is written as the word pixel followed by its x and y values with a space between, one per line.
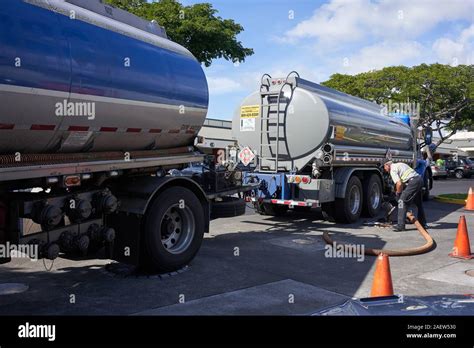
pixel 317 147
pixel 96 106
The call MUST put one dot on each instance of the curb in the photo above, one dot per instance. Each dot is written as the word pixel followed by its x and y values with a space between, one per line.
pixel 450 200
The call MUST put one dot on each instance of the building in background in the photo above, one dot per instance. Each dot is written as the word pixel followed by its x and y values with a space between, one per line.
pixel 464 141
pixel 215 135
pixel 461 143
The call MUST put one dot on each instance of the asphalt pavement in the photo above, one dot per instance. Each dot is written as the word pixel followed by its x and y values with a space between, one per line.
pixel 252 264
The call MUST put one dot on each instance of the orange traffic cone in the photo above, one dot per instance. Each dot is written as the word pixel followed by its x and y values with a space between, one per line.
pixel 470 200
pixel 462 247
pixel 382 285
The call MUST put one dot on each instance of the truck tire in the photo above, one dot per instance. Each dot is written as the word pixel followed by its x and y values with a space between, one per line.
pixel 349 208
pixel 228 207
pixel 373 196
pixel 173 230
pixel 459 174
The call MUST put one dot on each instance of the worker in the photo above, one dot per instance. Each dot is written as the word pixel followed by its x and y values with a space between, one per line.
pixel 440 162
pixel 408 190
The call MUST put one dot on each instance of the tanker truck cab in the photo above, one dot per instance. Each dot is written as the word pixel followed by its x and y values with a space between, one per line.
pixel 315 147
pixel 75 185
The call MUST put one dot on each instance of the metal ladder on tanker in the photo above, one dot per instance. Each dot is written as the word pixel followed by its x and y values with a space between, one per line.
pixel 266 116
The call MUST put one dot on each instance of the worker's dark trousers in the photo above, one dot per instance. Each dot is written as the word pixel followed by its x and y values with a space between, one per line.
pixel 411 194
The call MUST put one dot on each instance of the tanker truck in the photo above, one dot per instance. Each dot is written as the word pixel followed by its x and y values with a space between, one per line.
pixel 313 146
pixel 97 107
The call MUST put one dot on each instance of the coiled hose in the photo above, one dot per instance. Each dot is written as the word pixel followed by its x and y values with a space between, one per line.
pixel 403 252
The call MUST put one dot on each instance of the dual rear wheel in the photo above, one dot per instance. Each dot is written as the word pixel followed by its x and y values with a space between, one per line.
pixel 361 198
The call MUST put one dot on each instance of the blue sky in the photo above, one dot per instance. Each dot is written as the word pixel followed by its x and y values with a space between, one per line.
pixel 320 38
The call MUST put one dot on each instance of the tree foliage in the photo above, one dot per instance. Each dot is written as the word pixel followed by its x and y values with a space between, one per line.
pixel 443 93
pixel 196 27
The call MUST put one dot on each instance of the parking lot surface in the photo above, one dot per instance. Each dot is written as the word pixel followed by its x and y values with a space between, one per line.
pixel 253 264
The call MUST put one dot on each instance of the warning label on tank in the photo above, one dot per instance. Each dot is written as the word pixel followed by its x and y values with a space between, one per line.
pixel 247 124
pixel 77 139
pixel 250 111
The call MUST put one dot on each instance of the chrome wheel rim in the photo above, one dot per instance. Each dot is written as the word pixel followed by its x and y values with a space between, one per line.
pixel 177 229
pixel 354 200
pixel 375 196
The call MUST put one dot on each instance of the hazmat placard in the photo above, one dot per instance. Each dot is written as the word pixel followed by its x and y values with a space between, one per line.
pixel 246 156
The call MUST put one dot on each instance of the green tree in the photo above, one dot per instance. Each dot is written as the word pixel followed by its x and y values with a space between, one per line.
pixel 443 93
pixel 196 27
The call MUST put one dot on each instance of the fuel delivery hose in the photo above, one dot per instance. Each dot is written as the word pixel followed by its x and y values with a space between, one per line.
pixel 403 252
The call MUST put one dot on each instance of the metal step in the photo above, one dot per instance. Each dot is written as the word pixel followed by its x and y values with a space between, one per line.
pixel 269 118
pixel 274 104
pixel 270 93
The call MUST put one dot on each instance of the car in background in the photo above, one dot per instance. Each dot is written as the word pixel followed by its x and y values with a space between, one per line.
pixel 191 170
pixel 462 168
pixel 438 172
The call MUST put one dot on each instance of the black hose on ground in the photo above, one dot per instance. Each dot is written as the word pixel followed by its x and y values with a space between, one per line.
pixel 403 252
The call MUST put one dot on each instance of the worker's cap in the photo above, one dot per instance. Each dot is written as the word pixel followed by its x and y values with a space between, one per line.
pixel 387 161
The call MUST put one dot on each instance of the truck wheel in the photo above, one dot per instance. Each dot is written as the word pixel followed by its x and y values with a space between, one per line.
pixel 173 230
pixel 228 207
pixel 459 174
pixel 373 196
pixel 348 209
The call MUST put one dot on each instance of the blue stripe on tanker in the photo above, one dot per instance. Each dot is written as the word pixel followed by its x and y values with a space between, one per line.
pixel 61 54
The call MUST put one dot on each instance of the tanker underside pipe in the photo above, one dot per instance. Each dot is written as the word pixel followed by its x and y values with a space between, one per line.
pixel 402 252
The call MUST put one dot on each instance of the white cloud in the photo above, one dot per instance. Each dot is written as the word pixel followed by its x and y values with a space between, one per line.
pixel 459 51
pixel 222 85
pixel 343 21
pixel 381 55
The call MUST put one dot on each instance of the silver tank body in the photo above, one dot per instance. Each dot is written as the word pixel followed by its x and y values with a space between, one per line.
pixel 125 85
pixel 315 115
